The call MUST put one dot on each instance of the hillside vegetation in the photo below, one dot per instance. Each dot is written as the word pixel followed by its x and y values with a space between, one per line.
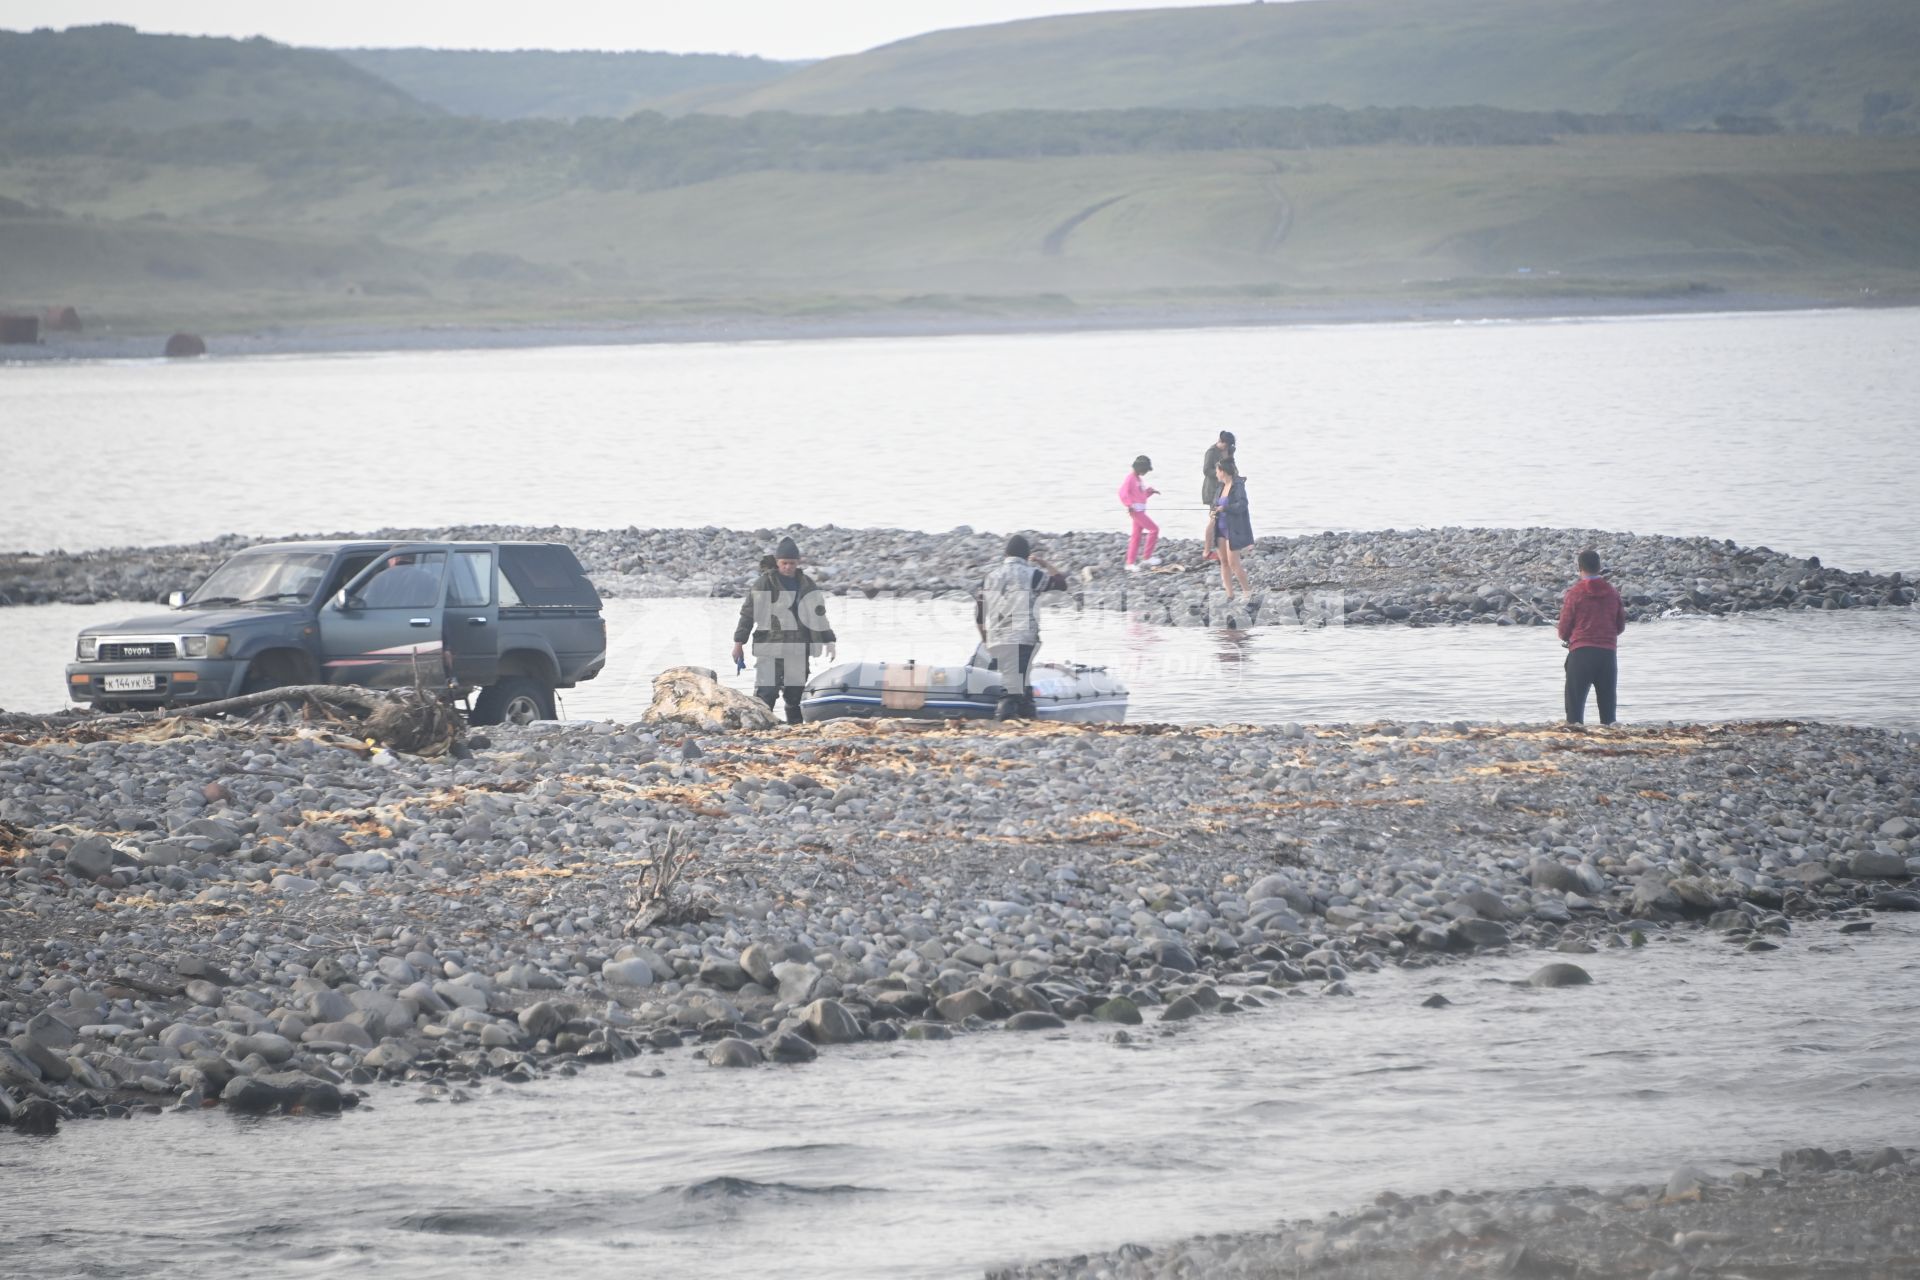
pixel 1851 65
pixel 143 181
pixel 546 84
pixel 653 150
pixel 518 239
pixel 116 76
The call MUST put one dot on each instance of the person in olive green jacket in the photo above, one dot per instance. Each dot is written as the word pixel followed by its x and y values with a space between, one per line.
pixel 785 616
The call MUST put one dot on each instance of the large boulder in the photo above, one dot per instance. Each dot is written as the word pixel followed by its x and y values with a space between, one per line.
pixel 90 857
pixel 790 1048
pixel 1560 975
pixel 724 974
pixel 51 1063
pixel 1171 955
pixel 250 1096
pixel 1879 864
pixel 1653 896
pixel 797 980
pixel 50 1031
pixel 758 960
pixel 734 1052
pixel 348 1033
pixel 542 1021
pixel 634 971
pixel 694 698
pixel 1550 873
pixel 961 1005
pixel 1474 934
pixel 829 1022
pixel 36 1117
pixel 274 1048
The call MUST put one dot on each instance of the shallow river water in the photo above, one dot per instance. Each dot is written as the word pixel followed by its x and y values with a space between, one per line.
pixel 1854 667
pixel 942 1159
pixel 1782 429
pixel 1848 666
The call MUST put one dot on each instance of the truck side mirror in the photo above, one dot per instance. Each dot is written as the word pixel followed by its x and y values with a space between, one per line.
pixel 344 602
pixel 176 599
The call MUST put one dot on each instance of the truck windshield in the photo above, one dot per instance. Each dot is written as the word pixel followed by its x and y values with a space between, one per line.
pixel 265 575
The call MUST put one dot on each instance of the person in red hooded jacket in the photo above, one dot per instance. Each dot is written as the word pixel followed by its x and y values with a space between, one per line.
pixel 1591 620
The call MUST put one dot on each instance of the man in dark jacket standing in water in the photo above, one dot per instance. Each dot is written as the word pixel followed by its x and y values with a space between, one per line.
pixel 785 615
pixel 1591 620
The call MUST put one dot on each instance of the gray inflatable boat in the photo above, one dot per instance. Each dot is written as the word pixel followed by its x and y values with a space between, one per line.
pixel 927 691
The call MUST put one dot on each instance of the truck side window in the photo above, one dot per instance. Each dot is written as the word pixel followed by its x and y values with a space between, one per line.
pixel 545 575
pixel 408 580
pixel 472 579
pixel 349 569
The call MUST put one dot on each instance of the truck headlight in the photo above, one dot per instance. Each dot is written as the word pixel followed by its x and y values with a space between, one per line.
pixel 89 648
pixel 203 646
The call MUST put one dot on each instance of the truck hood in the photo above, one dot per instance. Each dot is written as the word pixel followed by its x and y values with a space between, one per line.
pixel 192 622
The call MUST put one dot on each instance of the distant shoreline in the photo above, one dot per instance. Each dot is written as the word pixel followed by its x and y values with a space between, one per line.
pixel 335 339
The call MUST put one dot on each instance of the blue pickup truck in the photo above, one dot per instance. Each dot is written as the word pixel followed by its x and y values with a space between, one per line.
pixel 508 622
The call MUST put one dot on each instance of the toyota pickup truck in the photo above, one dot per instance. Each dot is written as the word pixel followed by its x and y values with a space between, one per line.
pixel 507 622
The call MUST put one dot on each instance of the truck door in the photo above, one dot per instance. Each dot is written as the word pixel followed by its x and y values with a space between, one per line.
pixel 388 623
pixel 473 616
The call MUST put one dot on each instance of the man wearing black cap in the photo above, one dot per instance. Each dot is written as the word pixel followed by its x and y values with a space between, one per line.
pixel 785 615
pixel 1009 615
pixel 1210 487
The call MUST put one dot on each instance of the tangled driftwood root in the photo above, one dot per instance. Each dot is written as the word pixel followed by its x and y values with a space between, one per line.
pixel 419 722
pixel 695 698
pixel 655 897
pixel 416 721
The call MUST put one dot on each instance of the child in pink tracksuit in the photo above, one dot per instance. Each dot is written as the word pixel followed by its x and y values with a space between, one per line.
pixel 1133 496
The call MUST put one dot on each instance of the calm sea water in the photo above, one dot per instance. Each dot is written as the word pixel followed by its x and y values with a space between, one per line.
pixel 942 1159
pixel 1854 667
pixel 1782 429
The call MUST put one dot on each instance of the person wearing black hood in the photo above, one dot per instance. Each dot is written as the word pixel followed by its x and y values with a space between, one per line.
pixel 1220 450
pixel 785 615
pixel 1591 620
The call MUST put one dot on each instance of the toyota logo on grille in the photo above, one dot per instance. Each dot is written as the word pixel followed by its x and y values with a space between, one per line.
pixel 137 650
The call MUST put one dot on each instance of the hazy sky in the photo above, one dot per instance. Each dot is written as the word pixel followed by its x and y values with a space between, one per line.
pixel 772 28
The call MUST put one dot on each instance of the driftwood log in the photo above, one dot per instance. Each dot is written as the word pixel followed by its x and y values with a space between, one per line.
pixel 695 698
pixel 417 721
pixel 351 699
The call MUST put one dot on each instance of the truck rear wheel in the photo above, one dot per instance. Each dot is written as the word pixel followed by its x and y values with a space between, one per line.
pixel 515 700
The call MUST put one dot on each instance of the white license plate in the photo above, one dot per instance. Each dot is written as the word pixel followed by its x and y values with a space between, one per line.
pixel 128 684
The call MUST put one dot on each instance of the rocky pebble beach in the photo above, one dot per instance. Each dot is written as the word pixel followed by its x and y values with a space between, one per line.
pixel 279 919
pixel 1416 577
pixel 1812 1212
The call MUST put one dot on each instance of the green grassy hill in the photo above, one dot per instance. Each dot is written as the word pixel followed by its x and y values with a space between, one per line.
pixel 540 83
pixel 116 76
pixel 1835 64
pixel 520 237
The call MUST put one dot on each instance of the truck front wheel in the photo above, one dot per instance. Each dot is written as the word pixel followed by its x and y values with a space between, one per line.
pixel 269 671
pixel 515 700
